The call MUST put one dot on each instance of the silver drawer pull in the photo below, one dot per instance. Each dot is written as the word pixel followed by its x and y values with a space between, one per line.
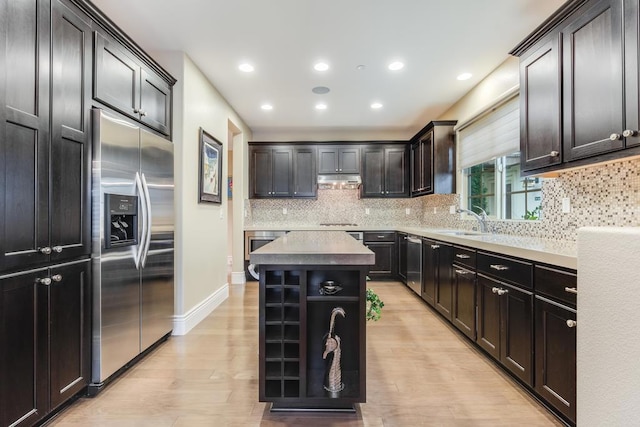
pixel 499 267
pixel 571 323
pixel 435 246
pixel 462 272
pixel 463 256
pixel 571 290
pixel 381 237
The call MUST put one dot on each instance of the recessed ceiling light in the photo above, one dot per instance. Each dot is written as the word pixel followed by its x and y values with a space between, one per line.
pixel 464 76
pixel 266 107
pixel 361 67
pixel 395 66
pixel 376 105
pixel 320 90
pixel 321 66
pixel 247 68
pixel 321 106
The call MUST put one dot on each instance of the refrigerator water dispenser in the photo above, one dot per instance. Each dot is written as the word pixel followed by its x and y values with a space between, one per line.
pixel 121 225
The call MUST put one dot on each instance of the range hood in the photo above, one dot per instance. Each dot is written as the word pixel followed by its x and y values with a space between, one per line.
pixel 339 182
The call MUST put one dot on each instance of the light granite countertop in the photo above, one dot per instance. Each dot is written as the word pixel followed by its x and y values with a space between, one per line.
pixel 553 252
pixel 314 248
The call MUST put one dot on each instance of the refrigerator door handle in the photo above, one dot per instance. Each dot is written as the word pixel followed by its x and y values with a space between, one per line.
pixel 143 207
pixel 147 202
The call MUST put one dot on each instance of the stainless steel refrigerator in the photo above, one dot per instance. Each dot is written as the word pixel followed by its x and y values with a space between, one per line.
pixel 133 242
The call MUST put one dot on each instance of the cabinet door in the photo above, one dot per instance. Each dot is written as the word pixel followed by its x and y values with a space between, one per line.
pixel 402 257
pixel 384 258
pixel 349 160
pixel 540 129
pixel 24 130
pixel 464 301
pixel 117 77
pixel 372 172
pixel 328 160
pixel 429 271
pixel 261 172
pixel 155 102
pixel 282 185
pixel 396 173
pixel 556 355
pixel 593 87
pixel 70 331
pixel 516 347
pixel 444 282
pixel 70 134
pixel 23 349
pixel 488 336
pixel 304 172
pixel 427 163
pixel 416 167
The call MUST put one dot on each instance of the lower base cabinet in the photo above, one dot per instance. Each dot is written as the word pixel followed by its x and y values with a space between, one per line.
pixel 45 339
pixel 463 315
pixel 555 333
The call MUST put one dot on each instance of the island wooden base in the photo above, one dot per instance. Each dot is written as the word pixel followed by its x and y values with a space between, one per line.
pixel 295 322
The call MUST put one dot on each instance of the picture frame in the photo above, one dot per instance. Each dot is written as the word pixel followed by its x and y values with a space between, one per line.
pixel 210 170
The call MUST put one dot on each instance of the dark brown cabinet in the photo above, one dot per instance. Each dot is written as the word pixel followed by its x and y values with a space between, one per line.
pixel 278 171
pixel 579 86
pixel 463 314
pixel 383 244
pixel 555 338
pixel 385 171
pixel 401 241
pixel 46 334
pixel 505 312
pixel 433 159
pixel 45 175
pixel 437 275
pixel 122 82
pixel 334 159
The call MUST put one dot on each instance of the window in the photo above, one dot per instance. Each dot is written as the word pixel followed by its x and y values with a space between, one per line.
pixel 489 158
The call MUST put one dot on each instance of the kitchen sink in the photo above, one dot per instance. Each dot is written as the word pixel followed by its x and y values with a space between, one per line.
pixel 461 232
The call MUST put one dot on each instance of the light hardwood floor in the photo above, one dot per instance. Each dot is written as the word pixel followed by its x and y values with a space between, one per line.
pixel 420 373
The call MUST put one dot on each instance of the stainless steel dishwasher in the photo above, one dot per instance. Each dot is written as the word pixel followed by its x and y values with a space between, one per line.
pixel 414 263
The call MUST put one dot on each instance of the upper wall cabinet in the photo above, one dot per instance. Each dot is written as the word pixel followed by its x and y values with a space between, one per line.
pixel 125 84
pixel 579 86
pixel 279 171
pixel 339 159
pixel 433 160
pixel 385 171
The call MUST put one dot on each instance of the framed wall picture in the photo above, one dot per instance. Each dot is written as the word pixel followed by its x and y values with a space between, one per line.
pixel 210 169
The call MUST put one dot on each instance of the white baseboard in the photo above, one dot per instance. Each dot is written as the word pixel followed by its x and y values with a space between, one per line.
pixel 183 323
pixel 238 278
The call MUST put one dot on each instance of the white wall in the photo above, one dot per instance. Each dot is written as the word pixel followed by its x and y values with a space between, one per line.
pixel 201 228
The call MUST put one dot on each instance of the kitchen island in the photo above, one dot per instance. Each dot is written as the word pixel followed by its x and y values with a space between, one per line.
pixel 312 321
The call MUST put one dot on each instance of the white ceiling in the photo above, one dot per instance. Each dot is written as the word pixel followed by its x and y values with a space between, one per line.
pixel 436 39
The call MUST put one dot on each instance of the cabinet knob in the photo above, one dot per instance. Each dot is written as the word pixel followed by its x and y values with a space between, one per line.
pixel 336 170
pixel 571 323
pixel 57 277
pixel 57 249
pixel 628 133
pixel 615 136
pixel 46 250
pixel 295 192
pixel 571 290
pixel 502 292
pixel 143 113
pixel 554 153
pixel 136 111
pixel 45 281
pixel 494 290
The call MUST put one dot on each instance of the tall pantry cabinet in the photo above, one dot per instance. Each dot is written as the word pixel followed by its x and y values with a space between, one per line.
pixel 45 333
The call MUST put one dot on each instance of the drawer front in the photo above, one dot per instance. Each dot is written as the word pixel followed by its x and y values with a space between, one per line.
pixel 379 236
pixel 507 269
pixel 557 284
pixel 464 256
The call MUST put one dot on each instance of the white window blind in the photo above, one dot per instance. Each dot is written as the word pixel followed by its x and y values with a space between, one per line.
pixel 495 134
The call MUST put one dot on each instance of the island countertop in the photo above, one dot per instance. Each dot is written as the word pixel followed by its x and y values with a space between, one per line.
pixel 313 248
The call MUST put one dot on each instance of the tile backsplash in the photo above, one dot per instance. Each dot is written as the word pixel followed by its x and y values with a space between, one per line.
pixel 602 195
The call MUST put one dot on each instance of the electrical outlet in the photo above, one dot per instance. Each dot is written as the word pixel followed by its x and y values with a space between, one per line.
pixel 367 211
pixel 284 211
pixel 566 205
pixel 407 211
pixel 452 209
pixel 435 210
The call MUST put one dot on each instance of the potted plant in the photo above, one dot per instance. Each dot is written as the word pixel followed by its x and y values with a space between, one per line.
pixel 374 305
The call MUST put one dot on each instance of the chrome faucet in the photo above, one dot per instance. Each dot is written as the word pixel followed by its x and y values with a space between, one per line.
pixel 482 219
